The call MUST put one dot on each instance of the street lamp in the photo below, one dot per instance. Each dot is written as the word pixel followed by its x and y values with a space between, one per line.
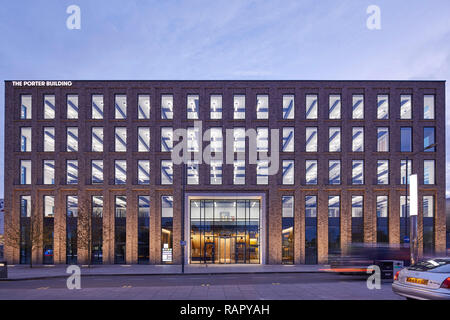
pixel 413 222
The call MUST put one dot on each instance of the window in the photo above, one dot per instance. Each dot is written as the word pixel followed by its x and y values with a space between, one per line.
pixel 143 229
pixel 120 229
pixel 334 111
pixel 358 106
pixel 72 171
pixel 71 229
pixel 25 107
pixel 193 142
pixel 358 139
pixel 72 106
pixel 429 139
pixel 404 219
pixel 143 172
pixel 120 172
pixel 239 172
pixel 405 106
pixel 193 106
pixel 215 106
pixel 48 229
pixel 97 106
pixel 166 172
pixel 311 172
pixel 262 106
pixel 311 139
pixel 358 172
pixel 383 172
pixel 334 171
pixel 166 139
pixel 428 224
pixel 49 106
pixel 310 229
pixel 311 106
pixel 143 106
pixel 383 106
pixel 262 172
pixel 239 139
pixel 239 106
pixel 428 107
pixel 406 139
pixel 262 139
pixel 49 172
pixel 167 106
pixel 288 140
pixel 25 139
pixel 382 219
pixel 192 172
pixel 334 139
pixel 288 171
pixel 403 170
pixel 97 139
pixel 357 219
pixel 72 139
pixel 97 171
pixel 49 139
pixel 428 172
pixel 216 139
pixel 143 139
pixel 383 139
pixel 288 106
pixel 25 228
pixel 97 230
pixel 120 139
pixel 216 172
pixel 25 171
pixel 167 229
pixel 120 101
pixel 287 232
pixel 334 230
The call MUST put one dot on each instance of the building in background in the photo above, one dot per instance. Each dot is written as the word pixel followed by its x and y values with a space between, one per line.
pixel 89 175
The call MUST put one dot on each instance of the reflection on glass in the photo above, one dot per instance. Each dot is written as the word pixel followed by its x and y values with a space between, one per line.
pixel 287 233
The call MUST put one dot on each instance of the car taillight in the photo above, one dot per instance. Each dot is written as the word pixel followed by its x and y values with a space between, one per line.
pixel 446 284
pixel 396 276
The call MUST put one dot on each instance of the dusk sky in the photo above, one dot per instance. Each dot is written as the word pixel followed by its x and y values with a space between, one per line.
pixel 232 39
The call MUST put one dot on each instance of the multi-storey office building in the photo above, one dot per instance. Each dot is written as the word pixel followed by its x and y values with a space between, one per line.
pixel 89 173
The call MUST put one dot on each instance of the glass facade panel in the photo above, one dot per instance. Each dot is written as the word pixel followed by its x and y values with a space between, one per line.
pixel 357 219
pixel 428 172
pixel 403 170
pixel 262 139
pixel 383 106
pixel 358 139
pixel 120 172
pixel 358 106
pixel 167 107
pixel 334 111
pixel 25 107
pixel 262 106
pixel 97 106
pixel 25 171
pixel 405 106
pixel 97 171
pixel 97 230
pixel 49 139
pixel 72 139
pixel 382 219
pixel 429 139
pixel 48 229
pixel 383 172
pixel 311 229
pixel 120 229
pixel 404 219
pixel 143 139
pixel 120 102
pixel 358 172
pixel 72 106
pixel 288 140
pixel 166 139
pixel 25 229
pixel 143 172
pixel 311 106
pixel 97 139
pixel 25 139
pixel 224 231
pixel 239 172
pixel 143 229
pixel 288 107
pixel 288 172
pixel 166 172
pixel 334 171
pixel 193 172
pixel 262 172
pixel 239 106
pixel 287 233
pixel 120 139
pixel 143 106
pixel 72 171
pixel 49 172
pixel 216 172
pixel 193 106
pixel 428 225
pixel 406 139
pixel 383 139
pixel 334 139
pixel 215 106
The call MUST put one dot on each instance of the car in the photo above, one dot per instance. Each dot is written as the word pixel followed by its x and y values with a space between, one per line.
pixel 427 280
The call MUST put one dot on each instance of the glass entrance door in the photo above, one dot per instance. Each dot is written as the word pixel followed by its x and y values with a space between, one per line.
pixel 226 250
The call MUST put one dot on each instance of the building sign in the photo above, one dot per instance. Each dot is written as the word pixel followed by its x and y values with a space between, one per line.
pixel 42 83
pixel 166 253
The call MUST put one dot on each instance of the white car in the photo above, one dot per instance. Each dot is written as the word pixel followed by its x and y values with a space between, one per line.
pixel 426 280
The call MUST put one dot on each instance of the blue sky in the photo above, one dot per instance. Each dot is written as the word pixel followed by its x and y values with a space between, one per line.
pixel 231 39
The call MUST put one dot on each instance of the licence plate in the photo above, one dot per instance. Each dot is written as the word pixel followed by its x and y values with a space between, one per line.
pixel 423 282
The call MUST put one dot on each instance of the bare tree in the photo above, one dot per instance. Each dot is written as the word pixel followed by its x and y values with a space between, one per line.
pixel 85 228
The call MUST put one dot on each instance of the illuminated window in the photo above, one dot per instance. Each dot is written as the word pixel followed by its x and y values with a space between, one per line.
pixel 287 232
pixel 262 139
pixel 166 139
pixel 216 139
pixel 239 139
pixel 262 172
pixel 193 141
pixel 192 172
pixel 216 172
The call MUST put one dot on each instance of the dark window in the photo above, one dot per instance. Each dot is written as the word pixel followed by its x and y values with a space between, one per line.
pixel 406 139
pixel 143 229
pixel 120 229
pixel 334 234
pixel 311 229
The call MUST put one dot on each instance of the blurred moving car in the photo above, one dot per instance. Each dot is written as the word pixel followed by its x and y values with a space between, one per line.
pixel 428 279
